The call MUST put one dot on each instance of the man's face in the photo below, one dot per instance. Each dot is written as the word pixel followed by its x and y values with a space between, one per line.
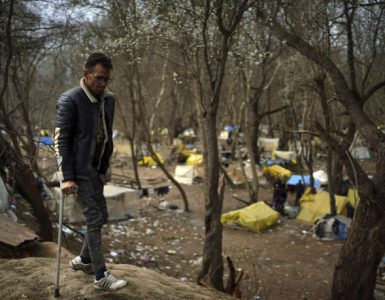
pixel 97 79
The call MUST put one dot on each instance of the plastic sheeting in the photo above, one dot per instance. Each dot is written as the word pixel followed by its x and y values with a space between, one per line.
pixel 4 197
pixel 315 206
pixel 293 180
pixel 255 217
pixel 321 176
pixel 268 144
pixel 185 174
pixel 285 155
pixel 148 161
pixel 277 172
pixel 194 160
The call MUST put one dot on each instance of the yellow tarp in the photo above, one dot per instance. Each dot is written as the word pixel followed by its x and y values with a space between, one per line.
pixel 194 160
pixel 277 172
pixel 149 162
pixel 255 216
pixel 353 197
pixel 315 206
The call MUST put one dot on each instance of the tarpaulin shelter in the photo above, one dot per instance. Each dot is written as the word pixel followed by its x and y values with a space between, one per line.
pixel 268 144
pixel 360 153
pixel 315 206
pixel 285 155
pixel 256 217
pixel 185 174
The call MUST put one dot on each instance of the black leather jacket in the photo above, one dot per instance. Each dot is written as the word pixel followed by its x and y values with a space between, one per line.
pixel 75 135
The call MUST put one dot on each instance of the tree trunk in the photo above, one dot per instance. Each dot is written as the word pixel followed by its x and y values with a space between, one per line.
pixel 135 163
pixel 332 198
pixel 355 275
pixel 212 265
pixel 252 149
pixel 337 175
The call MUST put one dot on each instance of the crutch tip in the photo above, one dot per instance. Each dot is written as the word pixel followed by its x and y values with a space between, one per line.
pixel 57 294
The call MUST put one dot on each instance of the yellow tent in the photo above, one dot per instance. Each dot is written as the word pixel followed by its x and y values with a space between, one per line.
pixel 315 206
pixel 353 197
pixel 255 216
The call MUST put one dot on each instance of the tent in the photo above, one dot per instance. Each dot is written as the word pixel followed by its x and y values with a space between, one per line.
pixel 315 206
pixel 256 216
pixel 285 155
pixel 268 144
pixel 293 180
pixel 360 153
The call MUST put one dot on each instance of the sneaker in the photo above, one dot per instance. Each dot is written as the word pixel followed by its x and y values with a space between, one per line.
pixel 109 283
pixel 76 264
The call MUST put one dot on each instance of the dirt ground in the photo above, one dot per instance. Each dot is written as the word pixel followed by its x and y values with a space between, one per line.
pixel 284 261
pixel 281 262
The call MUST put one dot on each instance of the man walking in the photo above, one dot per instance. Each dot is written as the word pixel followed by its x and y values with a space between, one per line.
pixel 83 145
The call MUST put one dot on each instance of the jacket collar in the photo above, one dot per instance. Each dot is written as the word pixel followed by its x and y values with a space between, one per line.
pixel 91 97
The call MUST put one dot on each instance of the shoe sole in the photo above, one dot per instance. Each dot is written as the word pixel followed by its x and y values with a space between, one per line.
pixel 75 268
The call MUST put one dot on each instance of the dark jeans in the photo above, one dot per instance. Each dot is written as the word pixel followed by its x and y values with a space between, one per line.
pixel 93 205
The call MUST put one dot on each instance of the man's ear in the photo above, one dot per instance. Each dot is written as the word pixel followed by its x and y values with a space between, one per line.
pixel 85 72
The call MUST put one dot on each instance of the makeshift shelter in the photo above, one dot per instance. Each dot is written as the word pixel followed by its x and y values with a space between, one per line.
pixel 185 174
pixel 284 155
pixel 315 206
pixel 256 216
pixel 116 198
pixel 268 144
pixel 360 153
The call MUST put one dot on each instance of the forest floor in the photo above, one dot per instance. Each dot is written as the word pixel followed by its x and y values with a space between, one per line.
pixel 281 262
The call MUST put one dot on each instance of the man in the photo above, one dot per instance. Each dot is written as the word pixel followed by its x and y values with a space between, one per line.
pixel 83 144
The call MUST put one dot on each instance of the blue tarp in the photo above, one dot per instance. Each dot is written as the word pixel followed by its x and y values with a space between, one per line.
pixel 46 140
pixel 293 180
pixel 229 128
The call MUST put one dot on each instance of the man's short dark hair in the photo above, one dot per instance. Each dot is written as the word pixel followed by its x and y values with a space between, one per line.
pixel 98 58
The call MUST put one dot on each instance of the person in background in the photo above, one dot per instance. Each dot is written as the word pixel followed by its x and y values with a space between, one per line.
pixel 299 190
pixel 83 145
